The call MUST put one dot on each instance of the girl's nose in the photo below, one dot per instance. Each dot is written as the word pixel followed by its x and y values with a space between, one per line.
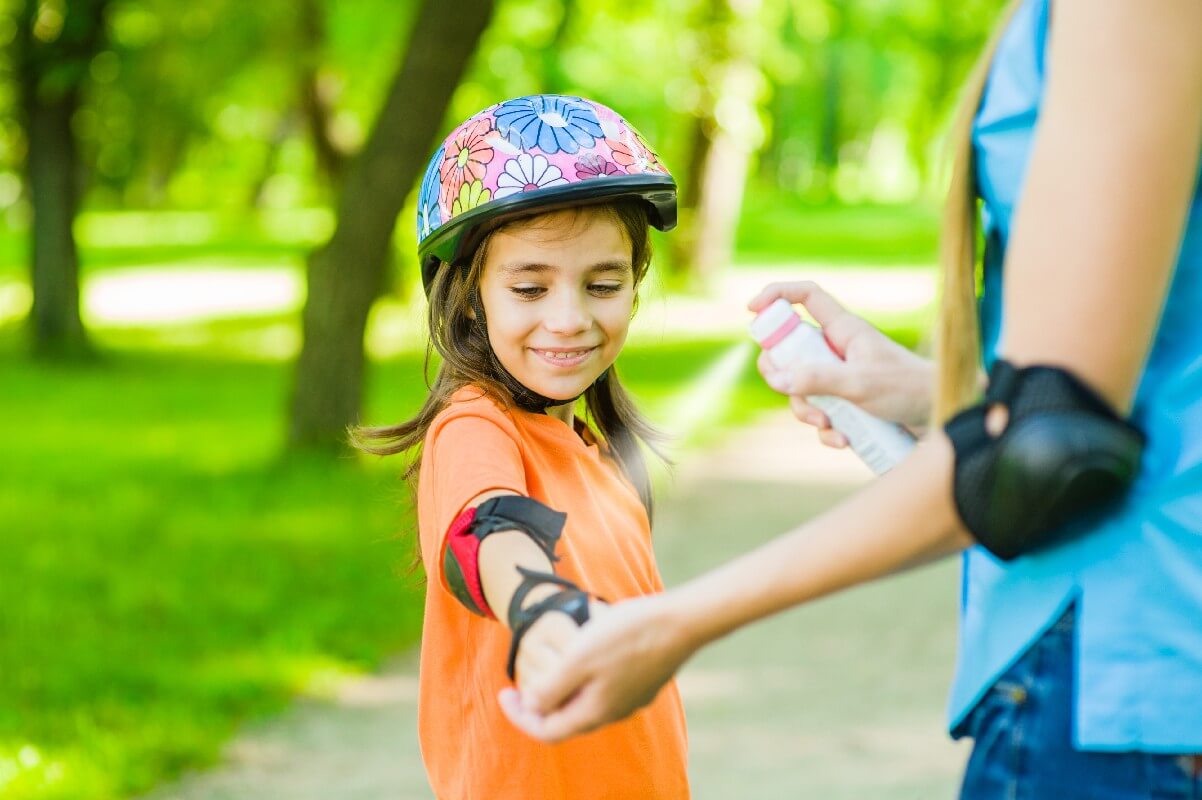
pixel 568 315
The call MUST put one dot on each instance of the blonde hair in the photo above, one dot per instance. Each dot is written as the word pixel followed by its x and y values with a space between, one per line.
pixel 957 337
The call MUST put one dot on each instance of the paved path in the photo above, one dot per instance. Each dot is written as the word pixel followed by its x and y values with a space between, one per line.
pixel 842 699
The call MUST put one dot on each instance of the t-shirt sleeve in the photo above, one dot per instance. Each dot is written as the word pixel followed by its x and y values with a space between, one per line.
pixel 469 455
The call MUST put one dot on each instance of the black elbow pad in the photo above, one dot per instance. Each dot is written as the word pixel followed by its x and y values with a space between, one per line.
pixel 1063 454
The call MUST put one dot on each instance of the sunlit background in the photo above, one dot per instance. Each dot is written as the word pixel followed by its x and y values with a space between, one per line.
pixel 185 542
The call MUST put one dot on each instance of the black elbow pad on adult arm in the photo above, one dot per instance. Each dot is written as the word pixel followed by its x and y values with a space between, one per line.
pixel 1063 454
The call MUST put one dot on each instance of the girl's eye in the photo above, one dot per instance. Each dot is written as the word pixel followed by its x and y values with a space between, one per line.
pixel 605 288
pixel 527 292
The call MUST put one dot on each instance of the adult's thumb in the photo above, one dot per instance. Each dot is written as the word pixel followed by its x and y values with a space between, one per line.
pixel 552 690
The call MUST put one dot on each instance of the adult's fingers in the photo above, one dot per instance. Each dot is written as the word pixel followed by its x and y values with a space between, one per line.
pixel 832 438
pixel 526 721
pixel 807 413
pixel 824 308
pixel 793 291
pixel 837 379
pixel 838 324
pixel 549 690
pixel 828 379
pixel 773 375
pixel 581 714
pixel 813 416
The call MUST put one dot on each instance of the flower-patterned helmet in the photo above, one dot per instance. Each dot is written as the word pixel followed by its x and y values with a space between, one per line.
pixel 530 155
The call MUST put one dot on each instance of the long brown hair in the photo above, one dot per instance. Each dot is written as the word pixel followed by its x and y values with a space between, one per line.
pixel 466 360
pixel 958 339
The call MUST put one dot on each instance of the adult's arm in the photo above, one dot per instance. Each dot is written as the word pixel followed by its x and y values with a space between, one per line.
pixel 1091 254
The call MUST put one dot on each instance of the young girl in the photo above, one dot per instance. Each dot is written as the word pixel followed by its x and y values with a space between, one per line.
pixel 533 224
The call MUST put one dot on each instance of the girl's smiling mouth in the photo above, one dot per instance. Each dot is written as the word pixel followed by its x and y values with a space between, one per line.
pixel 564 357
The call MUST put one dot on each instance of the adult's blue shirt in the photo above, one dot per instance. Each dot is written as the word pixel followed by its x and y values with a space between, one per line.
pixel 1136 577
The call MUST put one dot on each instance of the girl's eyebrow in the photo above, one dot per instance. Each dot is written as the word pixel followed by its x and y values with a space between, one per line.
pixel 618 265
pixel 535 267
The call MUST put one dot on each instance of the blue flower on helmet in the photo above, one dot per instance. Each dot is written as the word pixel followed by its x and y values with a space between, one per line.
pixel 550 123
pixel 429 213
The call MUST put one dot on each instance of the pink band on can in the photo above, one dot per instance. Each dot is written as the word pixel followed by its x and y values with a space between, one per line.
pixel 780 333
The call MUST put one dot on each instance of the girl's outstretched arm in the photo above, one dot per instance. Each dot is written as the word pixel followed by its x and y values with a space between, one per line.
pixel 1092 252
pixel 499 557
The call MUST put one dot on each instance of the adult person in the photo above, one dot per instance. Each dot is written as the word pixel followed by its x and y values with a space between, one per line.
pixel 1080 663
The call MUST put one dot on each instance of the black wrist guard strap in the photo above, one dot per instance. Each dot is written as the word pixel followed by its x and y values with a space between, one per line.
pixel 1063 453
pixel 571 601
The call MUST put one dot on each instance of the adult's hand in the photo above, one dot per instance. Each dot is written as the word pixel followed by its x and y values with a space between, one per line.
pixel 617 664
pixel 877 374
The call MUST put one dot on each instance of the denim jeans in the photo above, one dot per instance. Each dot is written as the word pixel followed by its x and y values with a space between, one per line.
pixel 1023 747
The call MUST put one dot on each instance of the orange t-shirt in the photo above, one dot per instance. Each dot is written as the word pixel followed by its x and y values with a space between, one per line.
pixel 470 748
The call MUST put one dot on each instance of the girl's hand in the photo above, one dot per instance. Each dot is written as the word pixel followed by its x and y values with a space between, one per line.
pixel 616 665
pixel 877 374
pixel 541 649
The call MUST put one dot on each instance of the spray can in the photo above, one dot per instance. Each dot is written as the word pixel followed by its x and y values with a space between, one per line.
pixel 788 340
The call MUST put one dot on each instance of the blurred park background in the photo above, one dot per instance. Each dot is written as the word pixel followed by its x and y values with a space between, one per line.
pixel 207 273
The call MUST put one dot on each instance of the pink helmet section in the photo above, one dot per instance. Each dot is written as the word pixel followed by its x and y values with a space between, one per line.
pixel 525 144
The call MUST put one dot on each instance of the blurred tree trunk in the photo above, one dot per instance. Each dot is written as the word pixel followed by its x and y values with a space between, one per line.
pixel 287 123
pixel 313 109
pixel 314 100
pixel 683 241
pixel 726 141
pixel 830 134
pixel 54 48
pixel 345 275
pixel 724 177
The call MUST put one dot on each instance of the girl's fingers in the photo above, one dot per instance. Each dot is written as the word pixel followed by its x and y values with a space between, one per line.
pixel 543 645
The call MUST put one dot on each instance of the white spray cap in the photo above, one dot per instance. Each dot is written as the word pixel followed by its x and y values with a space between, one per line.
pixel 766 324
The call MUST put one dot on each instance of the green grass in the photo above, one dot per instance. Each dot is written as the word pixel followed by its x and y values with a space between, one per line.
pixel 777 229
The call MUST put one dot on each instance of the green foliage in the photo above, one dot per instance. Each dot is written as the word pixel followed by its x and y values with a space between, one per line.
pixel 201 106
pixel 164 576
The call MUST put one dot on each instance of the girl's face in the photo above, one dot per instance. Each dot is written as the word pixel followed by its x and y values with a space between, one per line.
pixel 558 293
